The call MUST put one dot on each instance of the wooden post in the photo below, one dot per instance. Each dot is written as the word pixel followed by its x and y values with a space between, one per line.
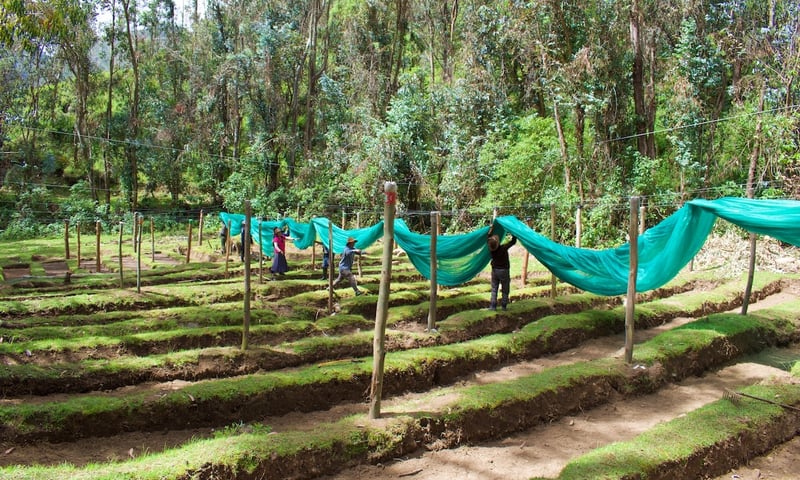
pixel 134 226
pixel 261 256
pixel 200 230
pixel 227 248
pixel 189 246
pixel 330 267
pixel 152 240
pixel 358 219
pixel 246 247
pixel 578 225
pixel 66 239
pixel 434 283
pixel 121 275
pixel 642 217
pixel 97 242
pixel 314 254
pixel 78 240
pixel 343 219
pixel 382 309
pixel 630 299
pixel 140 223
pixel 525 262
pixel 553 289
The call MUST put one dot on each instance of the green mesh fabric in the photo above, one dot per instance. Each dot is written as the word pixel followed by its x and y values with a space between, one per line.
pixel 663 250
pixel 459 258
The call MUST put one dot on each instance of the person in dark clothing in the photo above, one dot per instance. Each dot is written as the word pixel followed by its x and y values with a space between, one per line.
pixel 326 260
pixel 223 237
pixel 501 269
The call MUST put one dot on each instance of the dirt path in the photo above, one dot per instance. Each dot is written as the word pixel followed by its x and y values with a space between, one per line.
pixel 545 450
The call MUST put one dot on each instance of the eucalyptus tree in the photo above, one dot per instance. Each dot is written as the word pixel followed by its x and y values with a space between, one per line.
pixel 130 172
pixel 61 29
pixel 165 117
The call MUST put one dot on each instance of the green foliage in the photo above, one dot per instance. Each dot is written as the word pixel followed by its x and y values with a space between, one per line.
pixel 256 101
pixel 530 146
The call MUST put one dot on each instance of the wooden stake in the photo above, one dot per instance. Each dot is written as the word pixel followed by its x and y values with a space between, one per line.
pixel 200 230
pixel 152 240
pixel 525 262
pixel 66 239
pixel 382 309
pixel 139 222
pixel 227 248
pixel 642 218
pixel 578 225
pixel 121 275
pixel 553 290
pixel 630 299
pixel 78 234
pixel 246 247
pixel 134 227
pixel 261 257
pixel 434 265
pixel 330 267
pixel 189 246
pixel 97 241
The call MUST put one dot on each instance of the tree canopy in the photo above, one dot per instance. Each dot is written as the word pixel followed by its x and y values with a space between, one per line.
pixel 469 105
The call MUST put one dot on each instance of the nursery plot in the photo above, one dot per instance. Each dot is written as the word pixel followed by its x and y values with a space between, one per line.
pixel 150 351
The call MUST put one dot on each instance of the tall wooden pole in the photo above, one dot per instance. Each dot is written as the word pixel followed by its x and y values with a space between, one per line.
pixel 642 218
pixel 200 230
pixel 227 248
pixel 78 241
pixel 97 245
pixel 578 225
pixel 140 223
pixel 152 240
pixel 121 279
pixel 66 240
pixel 754 155
pixel 382 309
pixel 261 256
pixel 553 289
pixel 134 226
pixel 434 266
pixel 525 262
pixel 630 299
pixel 330 267
pixel 189 245
pixel 246 247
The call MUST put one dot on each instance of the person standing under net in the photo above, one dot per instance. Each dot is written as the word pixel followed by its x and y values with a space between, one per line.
pixel 501 269
pixel 279 264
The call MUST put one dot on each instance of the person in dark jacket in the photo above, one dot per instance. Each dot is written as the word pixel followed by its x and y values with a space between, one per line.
pixel 501 269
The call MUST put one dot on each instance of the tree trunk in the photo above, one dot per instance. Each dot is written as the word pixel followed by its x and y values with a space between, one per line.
pixel 109 106
pixel 133 121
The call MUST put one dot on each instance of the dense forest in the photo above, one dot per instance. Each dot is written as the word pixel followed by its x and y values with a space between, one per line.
pixel 305 107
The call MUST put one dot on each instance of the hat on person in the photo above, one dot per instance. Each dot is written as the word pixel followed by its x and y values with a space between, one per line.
pixel 494 242
pixel 350 240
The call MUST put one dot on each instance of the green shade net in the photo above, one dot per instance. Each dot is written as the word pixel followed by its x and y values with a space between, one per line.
pixel 459 258
pixel 663 250
pixel 304 234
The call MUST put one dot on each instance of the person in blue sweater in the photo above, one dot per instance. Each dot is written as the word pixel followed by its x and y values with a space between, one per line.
pixel 346 266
